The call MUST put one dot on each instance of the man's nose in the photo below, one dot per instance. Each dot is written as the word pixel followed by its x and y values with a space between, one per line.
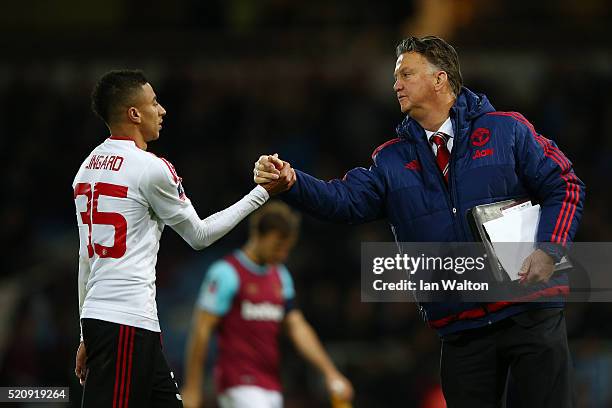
pixel 396 85
pixel 162 112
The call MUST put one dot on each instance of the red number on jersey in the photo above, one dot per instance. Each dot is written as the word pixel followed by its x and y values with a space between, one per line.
pixel 85 189
pixel 103 218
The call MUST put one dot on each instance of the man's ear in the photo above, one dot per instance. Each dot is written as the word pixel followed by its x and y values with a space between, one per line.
pixel 134 115
pixel 441 79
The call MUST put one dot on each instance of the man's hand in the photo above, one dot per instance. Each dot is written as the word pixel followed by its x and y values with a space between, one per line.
pixel 192 397
pixel 339 386
pixel 537 267
pixel 80 369
pixel 275 175
pixel 267 168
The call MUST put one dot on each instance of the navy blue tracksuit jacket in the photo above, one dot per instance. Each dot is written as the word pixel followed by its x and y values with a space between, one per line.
pixel 495 156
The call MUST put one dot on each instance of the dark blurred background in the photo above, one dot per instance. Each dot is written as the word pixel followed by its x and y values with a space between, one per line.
pixel 313 82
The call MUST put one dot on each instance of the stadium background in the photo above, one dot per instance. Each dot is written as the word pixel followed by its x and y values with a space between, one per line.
pixel 313 82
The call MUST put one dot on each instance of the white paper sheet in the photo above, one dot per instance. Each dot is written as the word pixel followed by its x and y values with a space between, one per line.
pixel 514 208
pixel 515 226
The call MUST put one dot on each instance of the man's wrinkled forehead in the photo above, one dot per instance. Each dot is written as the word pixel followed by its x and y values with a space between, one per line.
pixel 412 60
pixel 399 61
pixel 407 60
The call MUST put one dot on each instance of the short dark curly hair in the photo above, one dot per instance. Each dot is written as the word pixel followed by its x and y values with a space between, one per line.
pixel 439 53
pixel 115 90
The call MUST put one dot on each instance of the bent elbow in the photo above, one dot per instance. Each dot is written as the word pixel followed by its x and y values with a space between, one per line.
pixel 198 245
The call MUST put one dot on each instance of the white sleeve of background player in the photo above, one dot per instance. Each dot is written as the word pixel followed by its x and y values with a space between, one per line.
pixel 163 190
pixel 201 233
pixel 84 271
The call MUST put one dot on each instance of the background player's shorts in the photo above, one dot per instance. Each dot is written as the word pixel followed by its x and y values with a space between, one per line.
pixel 126 368
pixel 249 396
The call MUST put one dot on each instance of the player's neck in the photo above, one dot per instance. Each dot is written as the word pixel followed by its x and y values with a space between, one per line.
pixel 129 132
pixel 251 253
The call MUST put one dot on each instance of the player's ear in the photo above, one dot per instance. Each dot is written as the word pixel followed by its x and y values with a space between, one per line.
pixel 133 115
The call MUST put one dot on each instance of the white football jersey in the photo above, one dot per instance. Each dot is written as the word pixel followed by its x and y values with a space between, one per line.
pixel 124 196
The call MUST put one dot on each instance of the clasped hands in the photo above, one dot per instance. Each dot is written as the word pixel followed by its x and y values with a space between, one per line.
pixel 273 174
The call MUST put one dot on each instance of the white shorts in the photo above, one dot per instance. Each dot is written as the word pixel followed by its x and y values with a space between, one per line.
pixel 250 396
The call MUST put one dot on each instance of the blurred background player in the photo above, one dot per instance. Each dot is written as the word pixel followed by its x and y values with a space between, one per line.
pixel 124 197
pixel 247 297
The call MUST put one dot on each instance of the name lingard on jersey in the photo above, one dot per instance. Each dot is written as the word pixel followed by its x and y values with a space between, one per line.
pixel 261 311
pixel 104 162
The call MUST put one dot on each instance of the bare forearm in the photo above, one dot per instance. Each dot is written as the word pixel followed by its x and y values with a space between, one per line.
pixel 84 271
pixel 307 343
pixel 203 326
pixel 195 358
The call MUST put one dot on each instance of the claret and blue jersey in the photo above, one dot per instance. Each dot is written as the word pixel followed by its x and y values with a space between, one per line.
pixel 252 301
pixel 495 156
pixel 222 282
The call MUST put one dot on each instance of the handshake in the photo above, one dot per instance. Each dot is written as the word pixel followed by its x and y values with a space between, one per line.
pixel 273 174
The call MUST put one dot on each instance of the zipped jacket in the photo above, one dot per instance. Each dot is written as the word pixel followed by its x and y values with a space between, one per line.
pixel 495 156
